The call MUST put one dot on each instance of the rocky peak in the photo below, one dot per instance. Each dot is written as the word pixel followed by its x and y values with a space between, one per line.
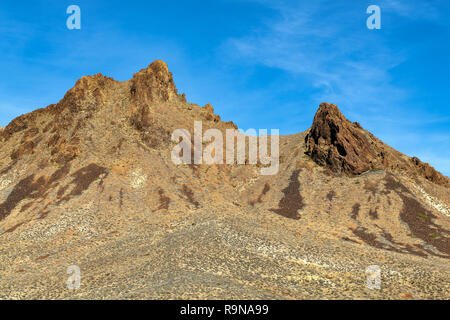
pixel 88 94
pixel 153 85
pixel 346 148
pixel 335 142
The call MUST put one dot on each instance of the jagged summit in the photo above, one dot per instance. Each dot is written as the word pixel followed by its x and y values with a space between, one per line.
pixel 157 66
pixel 153 84
pixel 332 141
pixel 345 147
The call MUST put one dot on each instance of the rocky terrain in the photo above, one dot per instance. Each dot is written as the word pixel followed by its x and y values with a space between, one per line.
pixel 90 182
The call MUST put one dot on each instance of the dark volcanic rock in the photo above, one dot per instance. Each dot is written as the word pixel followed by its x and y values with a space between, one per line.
pixel 335 142
pixel 346 148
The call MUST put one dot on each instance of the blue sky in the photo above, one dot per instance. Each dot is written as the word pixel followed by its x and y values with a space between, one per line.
pixel 262 64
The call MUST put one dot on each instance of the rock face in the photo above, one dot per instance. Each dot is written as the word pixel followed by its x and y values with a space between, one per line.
pixel 335 142
pixel 346 148
pixel 153 85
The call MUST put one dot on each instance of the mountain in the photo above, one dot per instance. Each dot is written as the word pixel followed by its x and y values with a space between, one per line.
pixel 91 182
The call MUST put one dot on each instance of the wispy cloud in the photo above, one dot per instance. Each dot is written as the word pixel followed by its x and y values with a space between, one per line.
pixel 342 59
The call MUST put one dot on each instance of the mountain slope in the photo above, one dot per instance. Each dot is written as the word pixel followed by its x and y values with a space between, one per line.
pixel 90 182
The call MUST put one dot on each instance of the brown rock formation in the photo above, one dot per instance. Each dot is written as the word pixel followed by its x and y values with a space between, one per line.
pixel 153 84
pixel 346 148
pixel 335 142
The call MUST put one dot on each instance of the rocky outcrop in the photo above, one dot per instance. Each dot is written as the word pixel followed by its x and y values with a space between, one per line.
pixel 428 172
pixel 209 113
pixel 346 148
pixel 153 85
pixel 335 142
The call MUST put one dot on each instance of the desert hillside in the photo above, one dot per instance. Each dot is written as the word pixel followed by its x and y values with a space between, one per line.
pixel 90 182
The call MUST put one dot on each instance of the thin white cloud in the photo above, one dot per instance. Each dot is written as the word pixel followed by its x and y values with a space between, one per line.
pixel 334 55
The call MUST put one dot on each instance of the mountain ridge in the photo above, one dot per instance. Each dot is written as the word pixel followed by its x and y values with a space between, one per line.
pixel 90 181
pixel 159 79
